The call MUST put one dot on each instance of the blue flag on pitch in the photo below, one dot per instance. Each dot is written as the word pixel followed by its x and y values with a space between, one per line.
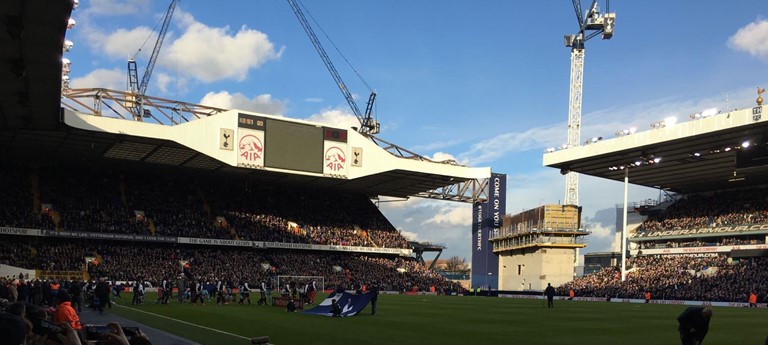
pixel 350 304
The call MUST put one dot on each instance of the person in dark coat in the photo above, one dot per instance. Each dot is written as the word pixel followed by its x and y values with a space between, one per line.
pixel 335 308
pixel 550 293
pixel 694 325
pixel 102 293
pixel 374 297
pixel 75 293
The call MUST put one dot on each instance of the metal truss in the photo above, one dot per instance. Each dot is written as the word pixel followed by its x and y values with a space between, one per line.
pixel 121 104
pixel 468 191
pixel 401 152
pixel 574 121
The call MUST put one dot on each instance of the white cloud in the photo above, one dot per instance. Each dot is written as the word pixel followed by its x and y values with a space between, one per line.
pixel 494 148
pixel 410 236
pixel 335 117
pixel 313 100
pixel 435 145
pixel 442 156
pixel 121 43
pixel 602 232
pixel 101 78
pixel 433 221
pixel 211 54
pixel 454 215
pixel 753 38
pixel 163 80
pixel 264 104
pixel 116 7
pixel 204 53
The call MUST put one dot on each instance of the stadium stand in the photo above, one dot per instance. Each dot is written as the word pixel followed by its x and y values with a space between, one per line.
pixel 124 201
pixel 724 208
pixel 691 278
pixel 139 203
pixel 711 226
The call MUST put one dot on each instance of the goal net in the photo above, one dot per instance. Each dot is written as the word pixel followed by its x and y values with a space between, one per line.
pixel 301 282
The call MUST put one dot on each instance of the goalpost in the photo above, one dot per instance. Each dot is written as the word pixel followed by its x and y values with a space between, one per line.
pixel 300 281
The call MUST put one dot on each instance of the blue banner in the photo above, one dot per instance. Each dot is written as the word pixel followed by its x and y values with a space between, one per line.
pixel 487 219
pixel 350 304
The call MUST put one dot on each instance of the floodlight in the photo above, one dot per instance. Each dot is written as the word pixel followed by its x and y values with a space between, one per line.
pixel 708 112
pixel 670 121
pixel 71 23
pixel 697 154
pixel 745 144
pixel 68 45
pixel 632 130
pixel 657 159
pixel 638 163
pixel 550 149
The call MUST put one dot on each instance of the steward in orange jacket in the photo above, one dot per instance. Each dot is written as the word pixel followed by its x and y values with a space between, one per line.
pixel 65 312
pixel 752 300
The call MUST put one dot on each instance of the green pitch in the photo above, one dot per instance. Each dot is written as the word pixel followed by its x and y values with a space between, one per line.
pixel 448 320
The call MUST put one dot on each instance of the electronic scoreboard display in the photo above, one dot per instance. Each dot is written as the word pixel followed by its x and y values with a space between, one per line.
pixel 293 146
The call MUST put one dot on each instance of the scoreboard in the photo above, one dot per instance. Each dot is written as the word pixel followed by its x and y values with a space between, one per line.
pixel 272 143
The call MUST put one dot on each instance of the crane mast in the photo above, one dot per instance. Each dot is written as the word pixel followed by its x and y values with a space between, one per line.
pixel 591 25
pixel 368 125
pixel 139 89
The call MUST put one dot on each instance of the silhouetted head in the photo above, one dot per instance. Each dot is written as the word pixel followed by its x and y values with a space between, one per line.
pixel 707 313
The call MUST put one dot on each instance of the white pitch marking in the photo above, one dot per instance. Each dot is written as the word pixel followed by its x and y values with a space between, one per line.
pixel 184 322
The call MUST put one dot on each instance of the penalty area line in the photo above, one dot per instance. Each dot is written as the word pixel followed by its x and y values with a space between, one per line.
pixel 184 322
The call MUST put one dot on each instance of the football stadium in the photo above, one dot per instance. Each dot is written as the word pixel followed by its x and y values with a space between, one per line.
pixel 127 218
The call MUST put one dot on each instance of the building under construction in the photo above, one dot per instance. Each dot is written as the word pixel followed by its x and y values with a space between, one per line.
pixel 538 246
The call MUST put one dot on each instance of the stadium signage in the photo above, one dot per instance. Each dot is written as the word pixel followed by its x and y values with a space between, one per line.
pixel 757 113
pixel 700 250
pixel 215 242
pixel 708 230
pixel 108 236
pixel 641 301
pixel 336 248
pixel 19 231
pixel 200 241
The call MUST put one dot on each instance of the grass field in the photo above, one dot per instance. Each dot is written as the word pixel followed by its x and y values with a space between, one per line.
pixel 421 320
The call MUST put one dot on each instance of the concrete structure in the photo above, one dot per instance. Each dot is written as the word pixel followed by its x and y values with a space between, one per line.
pixel 533 268
pixel 539 246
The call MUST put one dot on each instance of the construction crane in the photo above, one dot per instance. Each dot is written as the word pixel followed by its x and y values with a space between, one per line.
pixel 590 25
pixel 139 89
pixel 368 125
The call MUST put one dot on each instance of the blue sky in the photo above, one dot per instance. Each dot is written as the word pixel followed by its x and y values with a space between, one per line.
pixel 484 82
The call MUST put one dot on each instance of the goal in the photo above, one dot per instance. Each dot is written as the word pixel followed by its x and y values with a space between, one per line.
pixel 300 281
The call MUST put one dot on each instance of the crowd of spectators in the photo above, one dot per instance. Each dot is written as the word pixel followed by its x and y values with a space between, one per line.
pixel 102 200
pixel 711 278
pixel 726 208
pixel 124 261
